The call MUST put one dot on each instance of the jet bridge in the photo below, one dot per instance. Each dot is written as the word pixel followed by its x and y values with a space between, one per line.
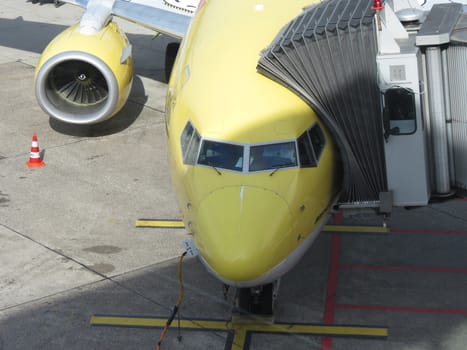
pixel 390 83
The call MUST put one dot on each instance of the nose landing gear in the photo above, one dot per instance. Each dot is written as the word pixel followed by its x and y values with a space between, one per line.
pixel 256 301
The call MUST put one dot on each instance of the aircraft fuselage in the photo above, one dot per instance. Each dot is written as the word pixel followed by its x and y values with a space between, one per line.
pixel 254 169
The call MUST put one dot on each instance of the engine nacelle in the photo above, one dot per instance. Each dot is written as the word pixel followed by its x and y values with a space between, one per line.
pixel 85 79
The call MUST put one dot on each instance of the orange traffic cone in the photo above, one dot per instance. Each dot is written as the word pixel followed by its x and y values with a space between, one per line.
pixel 35 157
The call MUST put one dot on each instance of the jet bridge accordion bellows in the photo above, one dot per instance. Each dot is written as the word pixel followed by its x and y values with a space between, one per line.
pixel 327 56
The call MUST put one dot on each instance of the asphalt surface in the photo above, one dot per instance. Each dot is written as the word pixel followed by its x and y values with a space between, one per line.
pixel 69 248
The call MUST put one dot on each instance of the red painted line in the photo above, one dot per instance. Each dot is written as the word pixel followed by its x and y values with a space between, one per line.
pixel 338 218
pixel 332 281
pixel 401 309
pixel 429 232
pixel 330 306
pixel 402 268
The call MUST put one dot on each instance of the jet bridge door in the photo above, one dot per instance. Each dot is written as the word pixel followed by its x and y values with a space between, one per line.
pixel 405 147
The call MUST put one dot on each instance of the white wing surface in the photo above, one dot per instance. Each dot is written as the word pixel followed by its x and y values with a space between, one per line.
pixel 159 15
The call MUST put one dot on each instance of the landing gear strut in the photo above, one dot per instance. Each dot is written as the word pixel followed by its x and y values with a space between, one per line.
pixel 258 300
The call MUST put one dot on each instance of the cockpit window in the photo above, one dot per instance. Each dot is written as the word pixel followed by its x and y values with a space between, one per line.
pixel 317 140
pixel 185 139
pixel 310 146
pixel 305 151
pixel 190 140
pixel 273 156
pixel 192 151
pixel 252 157
pixel 221 155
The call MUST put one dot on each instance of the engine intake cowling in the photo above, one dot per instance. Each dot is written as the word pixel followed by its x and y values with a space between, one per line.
pixel 85 79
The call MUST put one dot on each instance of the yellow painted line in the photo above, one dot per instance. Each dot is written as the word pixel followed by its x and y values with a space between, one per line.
pixel 160 223
pixel 239 339
pixel 328 228
pixel 124 321
pixel 240 330
pixel 343 228
pixel 360 331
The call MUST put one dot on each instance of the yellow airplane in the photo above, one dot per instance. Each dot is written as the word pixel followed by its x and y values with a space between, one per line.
pixel 255 171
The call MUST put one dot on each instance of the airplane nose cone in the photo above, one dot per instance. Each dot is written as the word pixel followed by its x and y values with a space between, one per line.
pixel 243 232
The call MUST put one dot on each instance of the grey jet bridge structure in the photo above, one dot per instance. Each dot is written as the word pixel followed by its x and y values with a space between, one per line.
pixel 390 83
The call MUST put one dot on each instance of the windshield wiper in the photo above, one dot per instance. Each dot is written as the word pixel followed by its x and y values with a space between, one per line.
pixel 281 166
pixel 217 170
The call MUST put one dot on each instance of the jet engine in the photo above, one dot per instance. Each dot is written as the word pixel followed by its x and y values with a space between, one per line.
pixel 85 78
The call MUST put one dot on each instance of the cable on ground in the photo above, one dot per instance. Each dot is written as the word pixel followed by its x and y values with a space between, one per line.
pixel 177 305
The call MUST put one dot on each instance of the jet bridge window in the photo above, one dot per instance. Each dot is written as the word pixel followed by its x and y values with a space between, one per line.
pixel 310 146
pixel 399 112
pixel 190 140
pixel 221 155
pixel 273 156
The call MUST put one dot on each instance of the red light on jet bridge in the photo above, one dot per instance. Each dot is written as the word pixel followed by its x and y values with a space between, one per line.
pixel 377 5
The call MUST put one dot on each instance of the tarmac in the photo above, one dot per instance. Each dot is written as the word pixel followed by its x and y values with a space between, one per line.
pixel 76 272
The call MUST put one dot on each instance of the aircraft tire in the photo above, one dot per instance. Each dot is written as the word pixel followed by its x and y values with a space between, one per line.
pixel 257 303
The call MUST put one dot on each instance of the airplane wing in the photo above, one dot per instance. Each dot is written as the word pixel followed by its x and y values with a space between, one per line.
pixel 158 15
